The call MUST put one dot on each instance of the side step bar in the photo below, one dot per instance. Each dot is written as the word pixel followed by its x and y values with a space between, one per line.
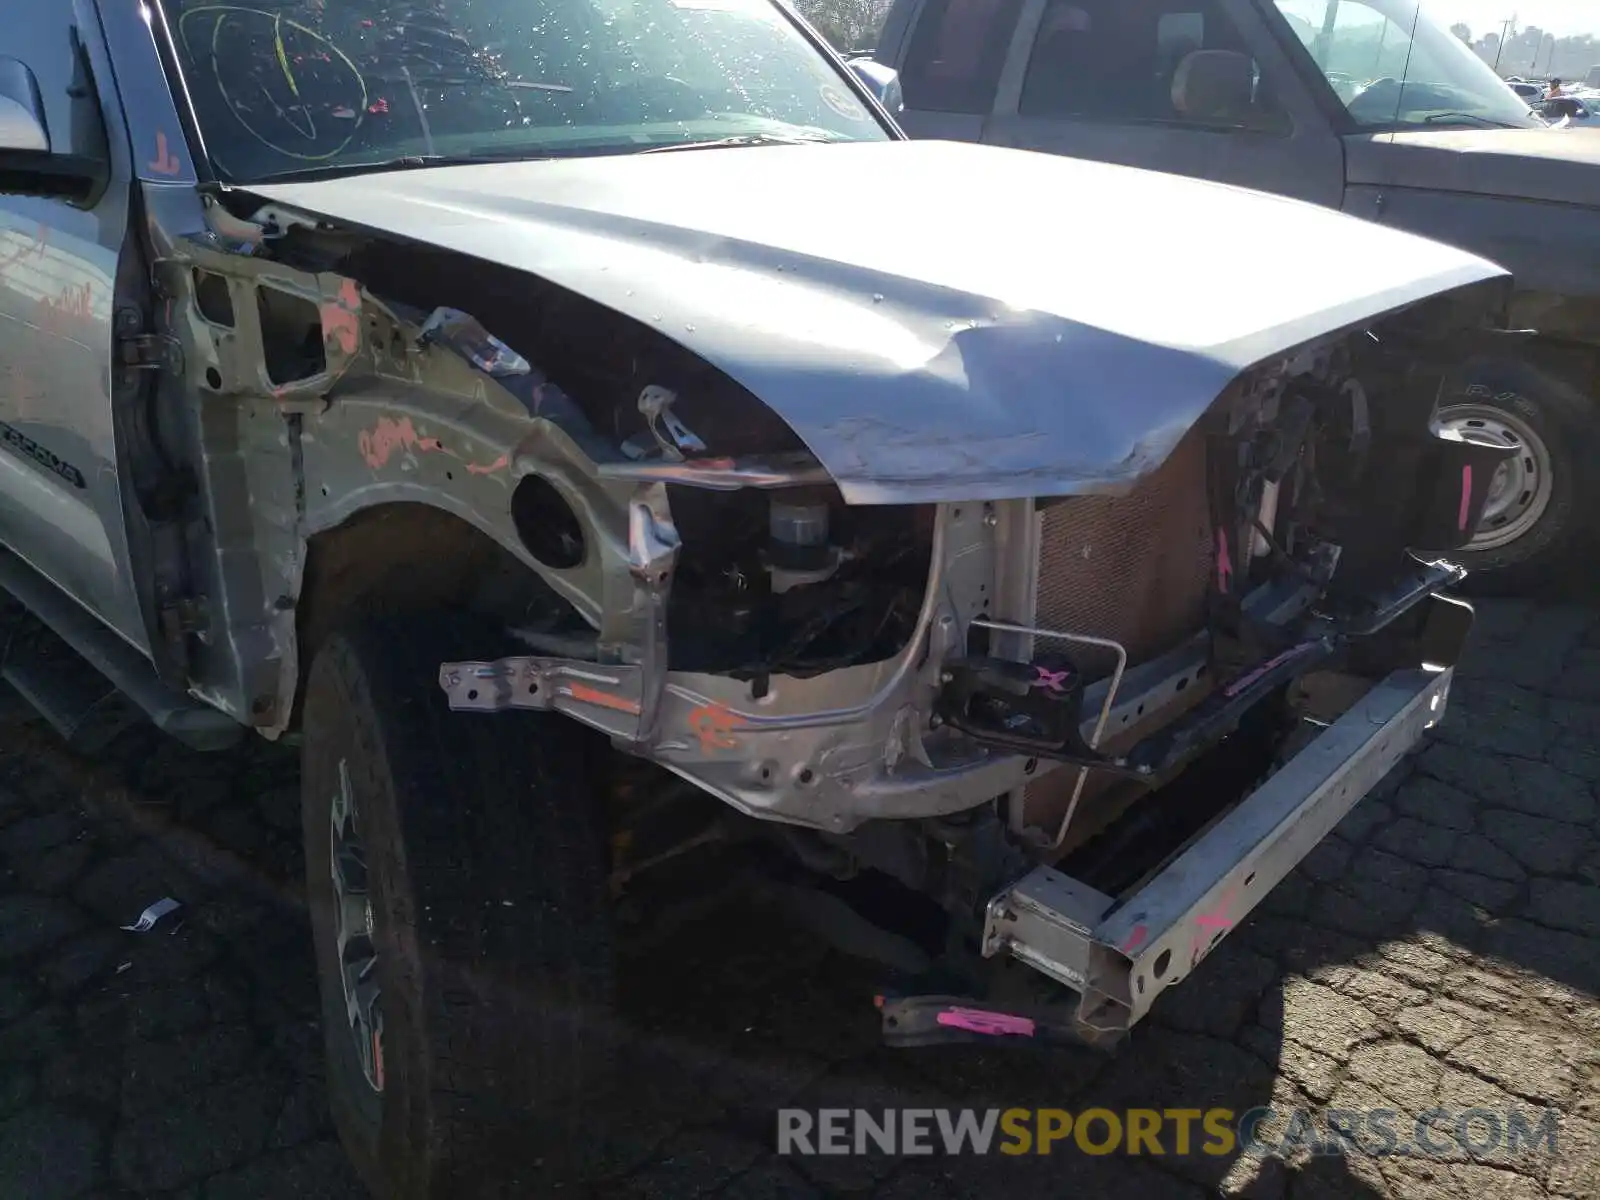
pixel 59 698
pixel 81 704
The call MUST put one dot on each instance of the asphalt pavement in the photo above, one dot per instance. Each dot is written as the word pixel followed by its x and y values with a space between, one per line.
pixel 1440 953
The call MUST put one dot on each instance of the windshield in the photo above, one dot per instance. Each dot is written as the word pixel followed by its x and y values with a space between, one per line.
pixel 1395 67
pixel 284 86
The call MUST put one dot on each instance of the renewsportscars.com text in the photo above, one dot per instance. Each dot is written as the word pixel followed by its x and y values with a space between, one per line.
pixel 1479 1132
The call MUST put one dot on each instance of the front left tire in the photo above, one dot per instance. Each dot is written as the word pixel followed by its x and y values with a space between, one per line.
pixel 456 879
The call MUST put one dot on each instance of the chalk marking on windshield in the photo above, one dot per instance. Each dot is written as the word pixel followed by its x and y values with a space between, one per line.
pixel 226 15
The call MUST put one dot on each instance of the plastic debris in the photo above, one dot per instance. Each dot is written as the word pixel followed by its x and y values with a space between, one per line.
pixel 462 333
pixel 666 432
pixel 148 918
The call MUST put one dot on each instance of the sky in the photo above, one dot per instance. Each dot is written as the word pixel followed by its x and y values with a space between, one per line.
pixel 1560 17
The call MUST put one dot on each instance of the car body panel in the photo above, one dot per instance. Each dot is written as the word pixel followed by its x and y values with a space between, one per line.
pixel 1005 366
pixel 61 476
pixel 1555 166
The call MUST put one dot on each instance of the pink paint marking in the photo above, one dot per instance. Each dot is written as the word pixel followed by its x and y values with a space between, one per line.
pixel 1466 497
pixel 990 1024
pixel 1224 562
pixel 1051 681
pixel 1219 918
pixel 1135 939
pixel 1239 685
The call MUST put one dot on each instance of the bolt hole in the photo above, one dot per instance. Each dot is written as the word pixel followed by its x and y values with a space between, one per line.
pixel 449 475
pixel 1182 683
pixel 547 525
pixel 766 774
pixel 1029 767
pixel 324 489
pixel 956 514
pixel 806 776
pixel 1163 961
pixel 1140 983
pixel 1249 879
pixel 213 378
pixel 1200 670
pixel 472 695
pixel 533 689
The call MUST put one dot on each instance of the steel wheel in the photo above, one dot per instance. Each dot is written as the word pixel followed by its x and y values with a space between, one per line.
pixel 1522 487
pixel 357 950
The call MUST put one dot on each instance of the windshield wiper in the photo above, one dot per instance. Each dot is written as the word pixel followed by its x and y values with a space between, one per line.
pixel 1471 118
pixel 742 139
pixel 405 162
pixel 413 162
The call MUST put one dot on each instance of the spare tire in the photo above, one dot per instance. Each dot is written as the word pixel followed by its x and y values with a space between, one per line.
pixel 456 878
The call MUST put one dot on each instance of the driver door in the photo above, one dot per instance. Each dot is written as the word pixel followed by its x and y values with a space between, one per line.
pixel 60 489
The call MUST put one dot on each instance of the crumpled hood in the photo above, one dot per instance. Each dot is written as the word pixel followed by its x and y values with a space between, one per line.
pixel 934 320
pixel 1560 166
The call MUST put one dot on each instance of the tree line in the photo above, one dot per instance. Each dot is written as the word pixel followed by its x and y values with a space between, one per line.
pixel 847 24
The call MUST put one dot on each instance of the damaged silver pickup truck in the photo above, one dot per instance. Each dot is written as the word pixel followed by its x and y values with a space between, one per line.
pixel 517 405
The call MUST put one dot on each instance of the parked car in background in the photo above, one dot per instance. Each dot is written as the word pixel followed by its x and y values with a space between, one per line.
pixel 1533 93
pixel 1363 105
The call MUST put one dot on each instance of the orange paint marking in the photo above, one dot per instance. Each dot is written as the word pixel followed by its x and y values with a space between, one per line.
pixel 380 443
pixel 71 304
pixel 165 162
pixel 599 699
pixel 341 318
pixel 714 725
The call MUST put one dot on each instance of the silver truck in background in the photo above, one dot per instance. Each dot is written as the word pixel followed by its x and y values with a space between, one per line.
pixel 1369 106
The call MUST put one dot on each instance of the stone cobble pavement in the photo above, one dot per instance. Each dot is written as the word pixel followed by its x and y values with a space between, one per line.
pixel 1441 949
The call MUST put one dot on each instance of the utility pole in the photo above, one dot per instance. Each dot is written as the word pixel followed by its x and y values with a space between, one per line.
pixel 1539 49
pixel 1505 32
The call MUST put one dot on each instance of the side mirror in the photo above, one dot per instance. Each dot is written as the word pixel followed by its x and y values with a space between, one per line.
pixel 883 82
pixel 29 165
pixel 22 127
pixel 1214 85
